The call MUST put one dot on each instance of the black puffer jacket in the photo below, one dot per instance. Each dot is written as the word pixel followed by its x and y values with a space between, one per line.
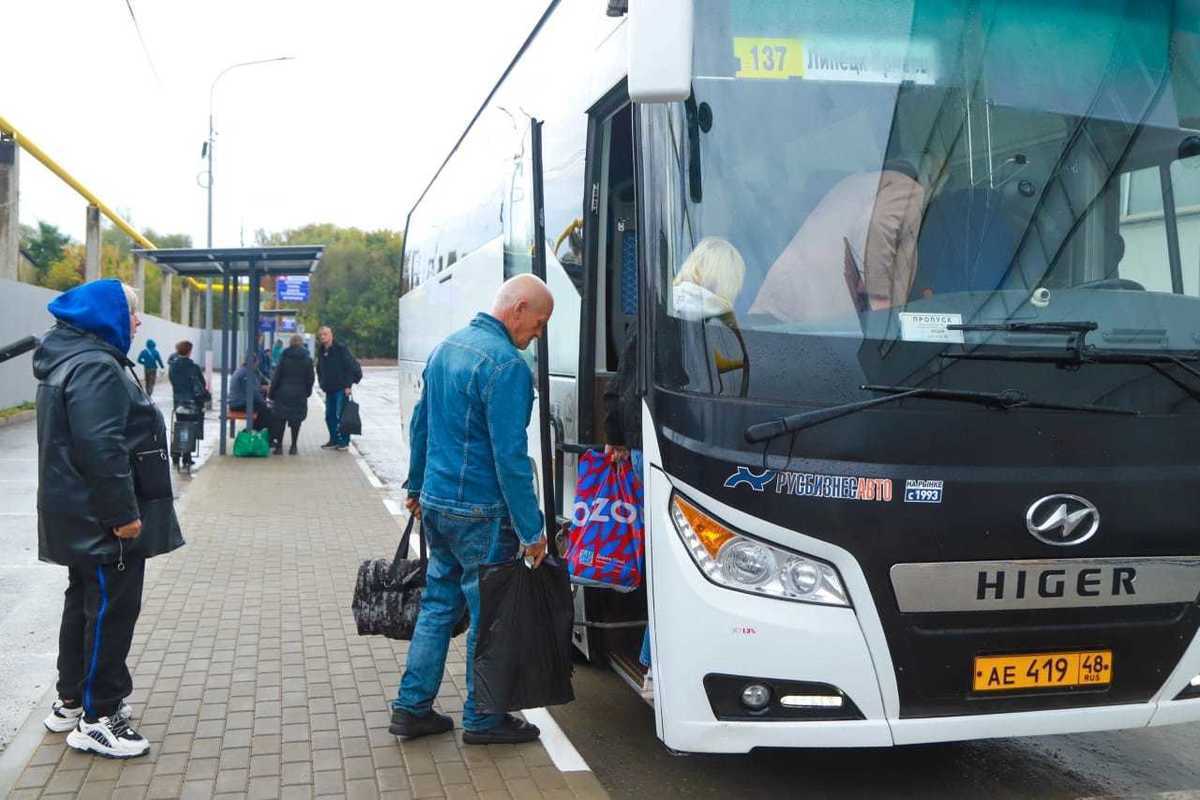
pixel 292 385
pixel 92 418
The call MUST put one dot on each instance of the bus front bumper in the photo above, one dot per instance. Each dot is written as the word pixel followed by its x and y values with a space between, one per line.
pixel 702 630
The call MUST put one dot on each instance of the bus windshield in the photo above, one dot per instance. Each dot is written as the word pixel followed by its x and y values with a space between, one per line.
pixel 850 181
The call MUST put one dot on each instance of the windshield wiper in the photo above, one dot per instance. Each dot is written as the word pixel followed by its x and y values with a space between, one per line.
pixel 1084 327
pixel 1007 399
pixel 1078 331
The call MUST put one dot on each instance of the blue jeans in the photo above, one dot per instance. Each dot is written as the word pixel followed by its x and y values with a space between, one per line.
pixel 334 403
pixel 458 546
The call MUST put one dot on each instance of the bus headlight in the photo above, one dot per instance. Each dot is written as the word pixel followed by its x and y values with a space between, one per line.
pixel 734 560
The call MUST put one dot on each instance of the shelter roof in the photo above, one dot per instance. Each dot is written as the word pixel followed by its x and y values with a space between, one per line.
pixel 217 262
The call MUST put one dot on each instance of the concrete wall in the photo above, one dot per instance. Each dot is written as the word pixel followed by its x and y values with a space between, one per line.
pixel 23 312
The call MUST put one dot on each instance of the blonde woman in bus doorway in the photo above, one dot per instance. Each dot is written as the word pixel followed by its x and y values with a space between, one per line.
pixel 706 287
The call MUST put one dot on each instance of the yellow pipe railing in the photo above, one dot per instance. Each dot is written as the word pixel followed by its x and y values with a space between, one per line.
pixel 28 146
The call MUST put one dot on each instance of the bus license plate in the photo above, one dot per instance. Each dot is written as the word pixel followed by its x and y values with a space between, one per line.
pixel 1042 670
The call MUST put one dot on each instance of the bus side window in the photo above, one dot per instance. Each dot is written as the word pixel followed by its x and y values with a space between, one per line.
pixel 1143 226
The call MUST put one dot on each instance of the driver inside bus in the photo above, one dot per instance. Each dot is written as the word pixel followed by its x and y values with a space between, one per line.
pixel 856 251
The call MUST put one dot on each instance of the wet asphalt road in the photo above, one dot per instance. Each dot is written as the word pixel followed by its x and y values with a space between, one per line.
pixel 613 729
pixel 30 591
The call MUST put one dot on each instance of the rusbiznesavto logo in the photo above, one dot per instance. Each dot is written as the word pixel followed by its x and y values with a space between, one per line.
pixel 757 482
pixel 810 484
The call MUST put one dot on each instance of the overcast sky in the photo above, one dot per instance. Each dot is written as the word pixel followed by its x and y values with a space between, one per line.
pixel 349 132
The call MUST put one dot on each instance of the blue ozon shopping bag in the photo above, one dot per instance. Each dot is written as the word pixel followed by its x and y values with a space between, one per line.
pixel 607 542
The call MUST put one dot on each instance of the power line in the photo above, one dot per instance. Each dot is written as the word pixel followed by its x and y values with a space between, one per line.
pixel 142 41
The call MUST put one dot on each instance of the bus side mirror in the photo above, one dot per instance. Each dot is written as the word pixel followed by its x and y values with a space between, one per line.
pixel 1189 147
pixel 660 50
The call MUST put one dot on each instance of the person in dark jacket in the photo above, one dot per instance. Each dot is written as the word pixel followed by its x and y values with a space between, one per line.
pixel 246 382
pixel 337 371
pixel 151 363
pixel 189 395
pixel 104 504
pixel 292 386
pixel 187 378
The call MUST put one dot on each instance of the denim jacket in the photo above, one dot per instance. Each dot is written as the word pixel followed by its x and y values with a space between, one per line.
pixel 469 446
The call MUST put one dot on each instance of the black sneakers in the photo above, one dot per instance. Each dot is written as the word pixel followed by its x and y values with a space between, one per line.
pixel 329 445
pixel 511 730
pixel 411 726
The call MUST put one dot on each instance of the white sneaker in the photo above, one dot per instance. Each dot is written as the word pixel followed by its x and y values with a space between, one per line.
pixel 110 737
pixel 648 688
pixel 62 719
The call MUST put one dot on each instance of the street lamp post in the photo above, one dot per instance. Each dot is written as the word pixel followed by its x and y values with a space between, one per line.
pixel 208 153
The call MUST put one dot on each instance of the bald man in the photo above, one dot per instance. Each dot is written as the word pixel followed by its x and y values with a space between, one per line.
pixel 471 483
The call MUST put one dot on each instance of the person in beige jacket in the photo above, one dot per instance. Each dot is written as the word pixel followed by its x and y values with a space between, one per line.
pixel 856 250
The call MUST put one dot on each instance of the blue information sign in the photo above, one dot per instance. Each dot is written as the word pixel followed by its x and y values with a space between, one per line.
pixel 293 289
pixel 266 324
pixel 287 325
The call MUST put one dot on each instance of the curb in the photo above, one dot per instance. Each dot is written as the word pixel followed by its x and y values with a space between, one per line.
pixel 18 418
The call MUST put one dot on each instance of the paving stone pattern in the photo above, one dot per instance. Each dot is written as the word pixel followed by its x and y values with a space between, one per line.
pixel 250 680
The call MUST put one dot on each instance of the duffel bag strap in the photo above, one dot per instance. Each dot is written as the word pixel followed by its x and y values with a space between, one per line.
pixel 402 550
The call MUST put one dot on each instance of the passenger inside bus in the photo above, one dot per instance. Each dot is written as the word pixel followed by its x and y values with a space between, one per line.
pixel 966 243
pixel 706 287
pixel 861 237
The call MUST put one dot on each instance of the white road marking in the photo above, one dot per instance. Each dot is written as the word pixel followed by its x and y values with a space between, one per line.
pixel 558 746
pixel 372 478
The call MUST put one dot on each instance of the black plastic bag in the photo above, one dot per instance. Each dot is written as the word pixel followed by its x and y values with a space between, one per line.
pixel 387 594
pixel 523 653
pixel 351 421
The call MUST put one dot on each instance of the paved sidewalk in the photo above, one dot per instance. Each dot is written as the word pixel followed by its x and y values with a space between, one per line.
pixel 249 678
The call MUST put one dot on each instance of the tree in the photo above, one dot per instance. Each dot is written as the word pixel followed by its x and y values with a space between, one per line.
pixel 67 271
pixel 44 246
pixel 355 288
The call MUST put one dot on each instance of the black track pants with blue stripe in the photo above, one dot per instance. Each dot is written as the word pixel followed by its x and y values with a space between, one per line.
pixel 100 611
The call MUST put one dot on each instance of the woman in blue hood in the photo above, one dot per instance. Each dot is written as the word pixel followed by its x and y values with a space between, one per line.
pixel 151 363
pixel 105 505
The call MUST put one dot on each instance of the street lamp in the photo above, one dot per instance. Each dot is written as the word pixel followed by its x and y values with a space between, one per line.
pixel 207 153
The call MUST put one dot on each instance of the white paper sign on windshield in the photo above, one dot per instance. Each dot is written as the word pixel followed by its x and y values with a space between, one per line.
pixel 916 327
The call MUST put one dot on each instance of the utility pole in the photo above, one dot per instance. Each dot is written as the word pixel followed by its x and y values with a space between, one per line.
pixel 10 222
pixel 91 260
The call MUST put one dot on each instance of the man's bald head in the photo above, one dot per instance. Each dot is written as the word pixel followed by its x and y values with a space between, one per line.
pixel 524 305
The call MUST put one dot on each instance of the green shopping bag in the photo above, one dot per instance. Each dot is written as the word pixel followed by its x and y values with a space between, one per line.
pixel 252 444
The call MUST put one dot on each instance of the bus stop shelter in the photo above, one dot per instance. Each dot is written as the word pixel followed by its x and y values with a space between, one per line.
pixel 230 265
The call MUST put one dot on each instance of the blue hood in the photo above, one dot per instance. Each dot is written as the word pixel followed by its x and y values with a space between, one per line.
pixel 99 308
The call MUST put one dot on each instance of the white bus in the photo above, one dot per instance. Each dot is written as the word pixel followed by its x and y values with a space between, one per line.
pixel 934 474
